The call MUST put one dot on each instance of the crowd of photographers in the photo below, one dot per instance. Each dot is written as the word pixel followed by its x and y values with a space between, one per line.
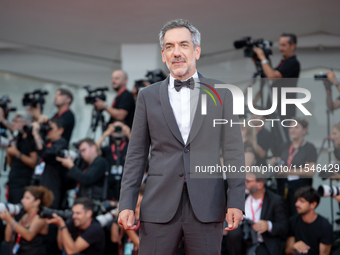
pixel 41 217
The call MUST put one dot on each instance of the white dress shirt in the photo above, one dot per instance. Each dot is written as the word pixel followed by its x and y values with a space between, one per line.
pixel 183 104
pixel 251 202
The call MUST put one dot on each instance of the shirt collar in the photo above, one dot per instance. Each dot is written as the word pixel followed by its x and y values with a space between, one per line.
pixel 172 79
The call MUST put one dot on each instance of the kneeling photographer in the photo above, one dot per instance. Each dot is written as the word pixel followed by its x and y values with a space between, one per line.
pixel 92 178
pixel 82 235
pixel 28 236
pixel 115 153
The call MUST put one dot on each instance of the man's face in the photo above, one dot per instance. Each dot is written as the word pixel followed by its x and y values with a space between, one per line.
pixel 18 124
pixel 179 53
pixel 303 206
pixel 287 50
pixel 297 132
pixel 60 99
pixel 118 80
pixel 80 216
pixel 251 184
pixel 87 152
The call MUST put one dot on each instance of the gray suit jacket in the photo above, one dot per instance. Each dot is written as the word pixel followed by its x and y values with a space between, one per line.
pixel 155 128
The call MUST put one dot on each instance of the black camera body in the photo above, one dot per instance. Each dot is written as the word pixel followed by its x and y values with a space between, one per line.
pixel 4 101
pixel 248 44
pixel 94 94
pixel 44 128
pixel 34 98
pixel 320 76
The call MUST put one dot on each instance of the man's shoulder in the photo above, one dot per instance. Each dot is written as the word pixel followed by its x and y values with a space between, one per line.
pixel 323 221
pixel 273 196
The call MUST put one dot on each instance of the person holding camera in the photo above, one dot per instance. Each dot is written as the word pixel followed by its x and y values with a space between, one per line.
pixel 62 100
pixel 309 232
pixel 22 157
pixel 28 235
pixel 115 153
pixel 83 235
pixel 268 213
pixel 289 67
pixel 51 172
pixel 123 106
pixel 300 156
pixel 92 178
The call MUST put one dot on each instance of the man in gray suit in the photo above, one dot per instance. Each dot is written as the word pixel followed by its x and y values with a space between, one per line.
pixel 181 199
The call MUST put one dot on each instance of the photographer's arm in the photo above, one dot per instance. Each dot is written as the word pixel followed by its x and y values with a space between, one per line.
pixel 28 234
pixel 118 114
pixel 267 69
pixel 65 239
pixel 29 160
pixel 324 249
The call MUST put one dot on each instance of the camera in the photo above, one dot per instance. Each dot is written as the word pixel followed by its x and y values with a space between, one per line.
pixel 44 128
pixel 34 98
pixel 155 76
pixel 93 94
pixel 65 153
pixel 320 76
pixel 13 209
pixel 4 101
pixel 328 191
pixel 47 213
pixel 248 44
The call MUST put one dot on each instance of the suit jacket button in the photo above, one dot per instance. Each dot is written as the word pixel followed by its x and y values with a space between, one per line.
pixel 181 175
pixel 186 150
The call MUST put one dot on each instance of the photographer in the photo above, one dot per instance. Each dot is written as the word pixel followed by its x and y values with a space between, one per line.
pixel 123 107
pixel 62 100
pixel 82 235
pixel 115 153
pixel 22 157
pixel 53 174
pixel 289 67
pixel 268 212
pixel 296 155
pixel 92 181
pixel 309 233
pixel 28 236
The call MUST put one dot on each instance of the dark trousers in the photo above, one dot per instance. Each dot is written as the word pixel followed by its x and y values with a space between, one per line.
pixel 163 238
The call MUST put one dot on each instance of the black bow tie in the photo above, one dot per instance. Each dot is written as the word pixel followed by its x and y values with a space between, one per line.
pixel 188 83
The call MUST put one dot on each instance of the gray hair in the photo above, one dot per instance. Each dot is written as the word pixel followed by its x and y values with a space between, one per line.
pixel 178 23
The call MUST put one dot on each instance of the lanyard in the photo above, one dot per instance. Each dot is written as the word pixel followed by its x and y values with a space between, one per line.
pixel 252 209
pixel 291 153
pixel 113 150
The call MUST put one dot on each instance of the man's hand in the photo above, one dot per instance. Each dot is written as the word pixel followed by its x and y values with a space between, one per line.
pixel 331 77
pixel 13 150
pixel 127 219
pixel 57 220
pixel 99 104
pixel 233 217
pixel 66 162
pixel 261 226
pixel 301 247
pixel 5 216
pixel 260 54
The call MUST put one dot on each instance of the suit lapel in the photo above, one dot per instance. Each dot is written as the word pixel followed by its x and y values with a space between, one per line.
pixel 168 112
pixel 198 118
pixel 265 205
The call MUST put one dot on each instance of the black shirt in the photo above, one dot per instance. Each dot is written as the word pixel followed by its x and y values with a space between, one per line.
pixel 93 235
pixel 263 140
pixel 125 101
pixel 67 119
pixel 312 234
pixel 306 153
pixel 91 179
pixel 21 174
pixel 290 70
